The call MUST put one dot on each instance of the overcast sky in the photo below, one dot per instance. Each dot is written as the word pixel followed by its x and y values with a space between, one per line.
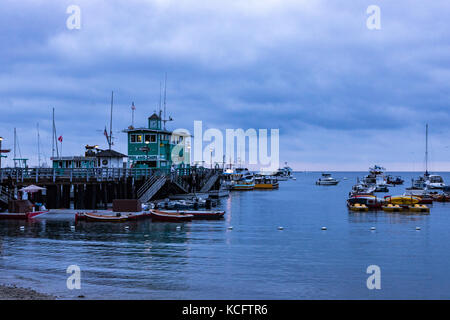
pixel 344 97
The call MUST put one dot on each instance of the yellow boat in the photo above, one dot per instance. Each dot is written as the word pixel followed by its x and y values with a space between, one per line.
pixel 419 208
pixel 403 200
pixel 266 183
pixel 359 207
pixel 392 208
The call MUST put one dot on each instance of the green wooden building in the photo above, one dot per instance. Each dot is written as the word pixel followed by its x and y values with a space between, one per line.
pixel 156 148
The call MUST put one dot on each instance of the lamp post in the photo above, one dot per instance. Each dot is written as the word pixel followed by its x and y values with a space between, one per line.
pixel 189 153
pixel 211 150
pixel 147 149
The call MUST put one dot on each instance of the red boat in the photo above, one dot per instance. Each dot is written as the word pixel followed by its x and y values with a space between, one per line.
pixel 199 214
pixel 21 216
pixel 170 216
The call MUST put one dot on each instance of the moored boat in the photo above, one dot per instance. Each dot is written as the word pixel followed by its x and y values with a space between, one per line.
pixel 371 201
pixel 177 216
pixel 419 208
pixel 198 214
pixel 21 216
pixel 392 208
pixel 327 180
pixel 266 182
pixel 402 200
pixel 358 207
pixel 116 217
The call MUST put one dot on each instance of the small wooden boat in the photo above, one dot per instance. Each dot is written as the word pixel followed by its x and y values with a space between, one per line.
pixel 358 207
pixel 115 217
pixel 21 216
pixel 392 208
pixel 198 214
pixel 419 208
pixel 170 216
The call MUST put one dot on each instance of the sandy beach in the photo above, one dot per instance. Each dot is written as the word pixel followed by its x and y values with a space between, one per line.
pixel 17 293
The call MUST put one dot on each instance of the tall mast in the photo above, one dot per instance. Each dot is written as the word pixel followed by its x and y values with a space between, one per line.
pixel 110 120
pixel 165 86
pixel 55 138
pixel 53 134
pixel 15 146
pixel 426 150
pixel 39 146
pixel 160 99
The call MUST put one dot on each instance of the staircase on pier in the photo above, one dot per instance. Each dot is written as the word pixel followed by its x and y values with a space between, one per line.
pixel 150 188
pixel 4 197
pixel 210 182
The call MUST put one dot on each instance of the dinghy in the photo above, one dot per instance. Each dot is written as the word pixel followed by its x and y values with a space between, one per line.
pixel 170 216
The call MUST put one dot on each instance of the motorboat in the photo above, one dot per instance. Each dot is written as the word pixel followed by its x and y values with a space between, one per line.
pixel 394 181
pixel 434 181
pixel 418 187
pixel 327 180
pixel 266 182
pixel 245 183
pixel 371 201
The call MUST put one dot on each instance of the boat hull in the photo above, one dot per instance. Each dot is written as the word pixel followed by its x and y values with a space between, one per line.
pixel 169 216
pixel 198 215
pixel 21 216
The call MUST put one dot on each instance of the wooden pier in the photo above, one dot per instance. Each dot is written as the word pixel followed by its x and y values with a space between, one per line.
pixel 95 188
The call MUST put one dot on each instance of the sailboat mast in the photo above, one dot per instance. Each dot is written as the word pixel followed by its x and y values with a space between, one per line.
pixel 165 86
pixel 39 146
pixel 15 146
pixel 426 150
pixel 54 139
pixel 110 121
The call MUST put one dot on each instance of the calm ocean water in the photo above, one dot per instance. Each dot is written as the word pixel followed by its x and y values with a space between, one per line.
pixel 254 260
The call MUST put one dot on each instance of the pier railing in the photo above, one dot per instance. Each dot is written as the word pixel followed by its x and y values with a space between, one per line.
pixel 86 174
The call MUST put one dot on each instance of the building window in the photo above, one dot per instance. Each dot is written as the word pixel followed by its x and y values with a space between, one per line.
pixel 136 138
pixel 150 138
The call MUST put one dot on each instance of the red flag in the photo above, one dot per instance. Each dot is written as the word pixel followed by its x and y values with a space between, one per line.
pixel 60 139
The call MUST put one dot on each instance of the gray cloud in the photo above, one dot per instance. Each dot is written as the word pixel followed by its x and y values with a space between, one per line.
pixel 343 96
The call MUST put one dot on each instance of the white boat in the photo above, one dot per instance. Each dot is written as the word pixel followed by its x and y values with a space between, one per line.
pixel 327 180
pixel 434 181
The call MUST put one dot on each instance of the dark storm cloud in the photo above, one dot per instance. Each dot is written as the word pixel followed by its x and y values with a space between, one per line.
pixel 310 68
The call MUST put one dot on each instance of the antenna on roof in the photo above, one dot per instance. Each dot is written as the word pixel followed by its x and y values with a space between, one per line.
pixel 165 90
pixel 110 121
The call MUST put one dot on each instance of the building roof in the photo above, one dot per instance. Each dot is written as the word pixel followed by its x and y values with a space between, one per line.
pixel 154 116
pixel 109 154
pixel 147 130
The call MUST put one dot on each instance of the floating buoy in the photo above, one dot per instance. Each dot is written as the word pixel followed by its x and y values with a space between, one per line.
pixel 280 228
pixel 324 228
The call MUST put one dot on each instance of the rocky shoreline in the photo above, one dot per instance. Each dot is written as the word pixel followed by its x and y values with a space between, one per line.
pixel 17 293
